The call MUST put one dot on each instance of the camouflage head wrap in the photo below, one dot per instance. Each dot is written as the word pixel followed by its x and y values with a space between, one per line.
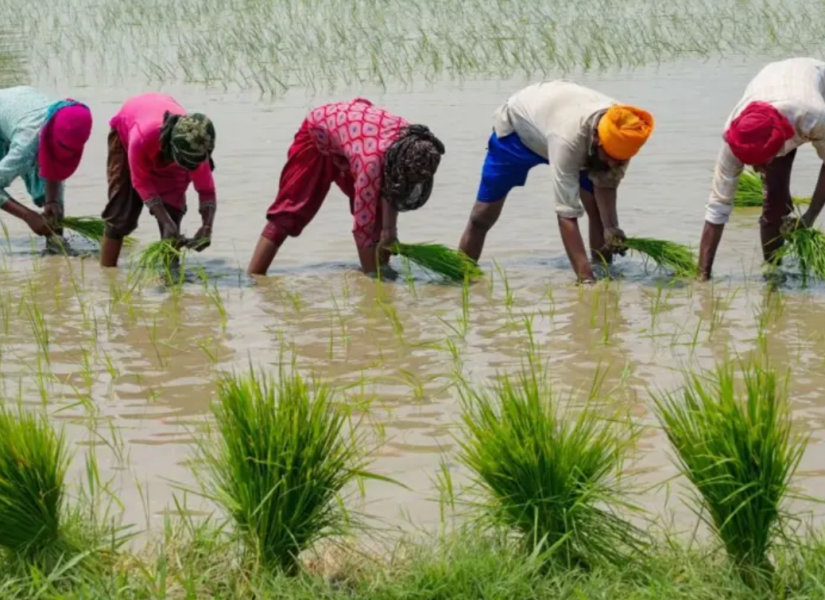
pixel 409 166
pixel 189 140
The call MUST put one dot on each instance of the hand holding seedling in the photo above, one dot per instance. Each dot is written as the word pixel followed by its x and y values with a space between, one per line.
pixel 614 241
pixel 202 239
pixel 791 223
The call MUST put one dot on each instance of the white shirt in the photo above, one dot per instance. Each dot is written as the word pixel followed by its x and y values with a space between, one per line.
pixel 556 120
pixel 796 88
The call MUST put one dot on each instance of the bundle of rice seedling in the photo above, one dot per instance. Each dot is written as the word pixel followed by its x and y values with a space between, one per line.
pixel 739 451
pixel 281 459
pixel 551 475
pixel 90 228
pixel 669 255
pixel 158 257
pixel 749 191
pixel 440 260
pixel 33 465
pixel 806 246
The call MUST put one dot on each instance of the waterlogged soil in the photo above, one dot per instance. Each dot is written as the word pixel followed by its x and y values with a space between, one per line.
pixel 133 376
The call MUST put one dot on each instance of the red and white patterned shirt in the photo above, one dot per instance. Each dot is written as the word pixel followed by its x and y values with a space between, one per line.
pixel 359 133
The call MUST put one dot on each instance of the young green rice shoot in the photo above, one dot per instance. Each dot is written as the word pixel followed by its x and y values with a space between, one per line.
pixel 282 457
pixel 440 260
pixel 806 247
pixel 668 255
pixel 736 446
pixel 33 465
pixel 549 474
pixel 159 257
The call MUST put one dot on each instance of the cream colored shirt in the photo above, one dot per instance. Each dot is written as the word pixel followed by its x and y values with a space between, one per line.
pixel 556 120
pixel 796 88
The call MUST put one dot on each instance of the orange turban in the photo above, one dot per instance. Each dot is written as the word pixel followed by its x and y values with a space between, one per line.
pixel 623 130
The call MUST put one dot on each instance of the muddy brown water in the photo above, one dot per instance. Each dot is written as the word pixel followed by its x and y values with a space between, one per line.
pixel 152 360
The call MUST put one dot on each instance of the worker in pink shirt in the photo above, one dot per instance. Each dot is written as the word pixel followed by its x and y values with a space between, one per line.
pixel 156 149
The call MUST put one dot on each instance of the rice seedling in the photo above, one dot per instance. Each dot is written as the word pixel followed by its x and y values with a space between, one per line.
pixel 550 475
pixel 750 193
pixel 33 465
pixel 668 255
pixel 280 462
pixel 439 260
pixel 806 247
pixel 737 448
pixel 159 257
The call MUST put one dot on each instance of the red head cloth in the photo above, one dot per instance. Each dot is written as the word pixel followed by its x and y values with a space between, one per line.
pixel 62 140
pixel 758 134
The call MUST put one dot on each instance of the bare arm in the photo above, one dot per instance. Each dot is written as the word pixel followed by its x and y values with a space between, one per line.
pixel 389 218
pixel 35 222
pixel 574 246
pixel 711 236
pixel 606 201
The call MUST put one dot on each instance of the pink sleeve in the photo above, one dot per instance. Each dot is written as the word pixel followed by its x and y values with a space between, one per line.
pixel 204 184
pixel 366 201
pixel 140 170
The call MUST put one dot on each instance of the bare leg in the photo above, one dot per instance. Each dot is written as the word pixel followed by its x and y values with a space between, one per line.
pixel 263 256
pixel 483 217
pixel 574 246
pixel 110 251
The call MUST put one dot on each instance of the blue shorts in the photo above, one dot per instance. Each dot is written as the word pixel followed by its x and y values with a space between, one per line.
pixel 506 166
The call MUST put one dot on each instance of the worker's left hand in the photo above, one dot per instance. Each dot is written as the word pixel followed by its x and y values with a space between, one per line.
pixel 53 213
pixel 202 239
pixel 614 239
pixel 791 223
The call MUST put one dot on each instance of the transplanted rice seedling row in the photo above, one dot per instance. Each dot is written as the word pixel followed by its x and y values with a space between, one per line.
pixel 270 47
pixel 284 454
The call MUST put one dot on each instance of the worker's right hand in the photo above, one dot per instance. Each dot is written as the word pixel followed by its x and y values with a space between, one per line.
pixel 38 224
pixel 168 228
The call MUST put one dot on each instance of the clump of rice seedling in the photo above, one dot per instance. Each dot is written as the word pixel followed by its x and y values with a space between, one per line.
pixel 279 463
pixel 806 246
pixel 750 193
pixel 549 474
pixel 159 257
pixel 669 255
pixel 33 465
pixel 89 228
pixel 738 450
pixel 440 260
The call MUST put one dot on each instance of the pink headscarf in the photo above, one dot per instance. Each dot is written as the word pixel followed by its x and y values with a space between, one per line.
pixel 62 140
pixel 758 134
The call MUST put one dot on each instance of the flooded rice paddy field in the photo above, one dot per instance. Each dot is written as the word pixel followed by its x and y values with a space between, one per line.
pixel 133 374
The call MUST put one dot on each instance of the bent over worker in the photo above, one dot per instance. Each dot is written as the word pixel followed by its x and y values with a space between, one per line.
pixel 380 162
pixel 587 138
pixel 42 142
pixel 783 108
pixel 156 149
